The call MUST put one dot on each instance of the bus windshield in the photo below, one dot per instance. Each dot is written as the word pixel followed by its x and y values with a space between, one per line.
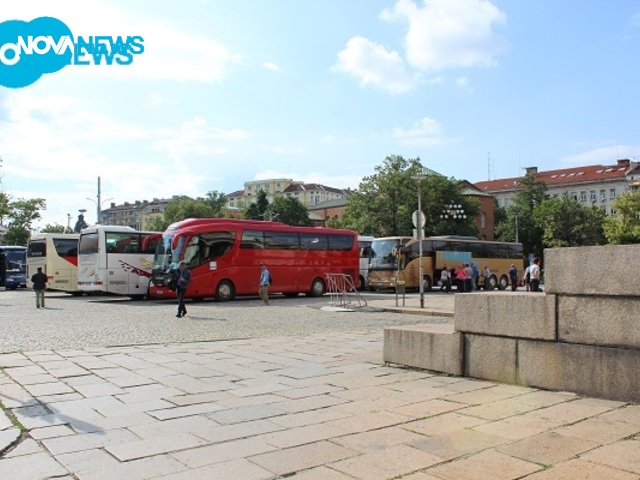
pixel 15 260
pixel 384 256
pixel 164 255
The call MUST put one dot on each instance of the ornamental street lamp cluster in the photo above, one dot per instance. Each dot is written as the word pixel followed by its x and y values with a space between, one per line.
pixel 453 211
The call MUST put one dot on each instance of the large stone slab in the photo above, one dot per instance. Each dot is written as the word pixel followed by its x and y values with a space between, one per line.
pixel 590 370
pixel 510 314
pixel 490 358
pixel 608 270
pixel 607 321
pixel 432 347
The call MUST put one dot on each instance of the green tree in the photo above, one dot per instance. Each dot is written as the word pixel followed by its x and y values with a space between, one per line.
pixel 258 210
pixel 289 210
pixel 57 228
pixel 384 202
pixel 566 223
pixel 520 216
pixel 623 227
pixel 183 207
pixel 22 214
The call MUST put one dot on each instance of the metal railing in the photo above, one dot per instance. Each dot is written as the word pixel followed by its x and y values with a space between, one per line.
pixel 343 292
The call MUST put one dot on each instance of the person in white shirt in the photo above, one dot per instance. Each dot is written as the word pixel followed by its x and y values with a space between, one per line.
pixel 534 275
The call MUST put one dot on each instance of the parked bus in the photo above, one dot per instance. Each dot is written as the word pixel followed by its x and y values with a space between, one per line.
pixel 384 260
pixel 116 259
pixel 366 253
pixel 451 251
pixel 13 270
pixel 224 257
pixel 57 255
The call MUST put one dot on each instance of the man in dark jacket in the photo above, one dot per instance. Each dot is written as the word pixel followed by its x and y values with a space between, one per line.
pixel 184 277
pixel 39 281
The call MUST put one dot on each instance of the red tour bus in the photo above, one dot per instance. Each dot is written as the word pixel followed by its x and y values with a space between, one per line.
pixel 224 257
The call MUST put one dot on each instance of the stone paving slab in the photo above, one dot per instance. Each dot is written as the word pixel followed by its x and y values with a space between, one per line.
pixel 316 405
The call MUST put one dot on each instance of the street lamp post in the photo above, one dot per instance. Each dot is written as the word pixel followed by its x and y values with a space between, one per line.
pixel 419 226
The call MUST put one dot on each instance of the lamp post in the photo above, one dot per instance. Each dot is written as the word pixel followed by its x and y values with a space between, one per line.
pixel 98 206
pixel 419 226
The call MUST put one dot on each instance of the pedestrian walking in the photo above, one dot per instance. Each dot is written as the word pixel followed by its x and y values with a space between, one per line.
pixel 445 280
pixel 534 274
pixel 265 281
pixel 474 277
pixel 184 277
pixel 39 280
pixel 513 276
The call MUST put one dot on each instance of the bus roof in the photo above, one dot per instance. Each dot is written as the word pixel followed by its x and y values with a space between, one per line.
pixel 112 228
pixel 194 225
pixel 12 247
pixel 39 236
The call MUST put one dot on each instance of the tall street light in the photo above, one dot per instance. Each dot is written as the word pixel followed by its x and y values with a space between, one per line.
pixel 419 226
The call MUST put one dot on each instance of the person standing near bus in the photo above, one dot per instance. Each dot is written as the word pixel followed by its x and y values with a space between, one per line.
pixel 184 277
pixel 39 280
pixel 513 276
pixel 265 281
pixel 534 274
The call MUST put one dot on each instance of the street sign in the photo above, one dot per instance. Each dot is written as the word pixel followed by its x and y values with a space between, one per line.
pixel 414 219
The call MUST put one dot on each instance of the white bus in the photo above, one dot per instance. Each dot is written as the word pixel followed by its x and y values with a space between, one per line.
pixel 57 254
pixel 366 254
pixel 116 259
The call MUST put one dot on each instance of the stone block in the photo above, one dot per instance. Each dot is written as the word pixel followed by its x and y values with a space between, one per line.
pixel 529 315
pixel 596 320
pixel 490 358
pixel 608 270
pixel 602 372
pixel 432 347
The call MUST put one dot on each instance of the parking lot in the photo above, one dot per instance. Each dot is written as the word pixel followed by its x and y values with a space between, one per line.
pixel 96 321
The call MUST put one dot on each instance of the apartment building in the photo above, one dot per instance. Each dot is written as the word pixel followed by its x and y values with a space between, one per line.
pixel 590 185
pixel 309 194
pixel 136 214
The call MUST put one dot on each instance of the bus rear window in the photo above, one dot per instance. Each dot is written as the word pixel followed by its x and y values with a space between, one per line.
pixel 37 248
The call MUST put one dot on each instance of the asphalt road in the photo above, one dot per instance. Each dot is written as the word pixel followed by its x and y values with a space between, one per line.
pixel 70 322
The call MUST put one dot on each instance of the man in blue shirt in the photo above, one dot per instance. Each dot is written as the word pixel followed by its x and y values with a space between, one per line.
pixel 265 281
pixel 184 277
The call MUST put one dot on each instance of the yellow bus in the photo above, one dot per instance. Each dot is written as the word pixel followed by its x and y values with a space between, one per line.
pixel 383 263
pixel 450 251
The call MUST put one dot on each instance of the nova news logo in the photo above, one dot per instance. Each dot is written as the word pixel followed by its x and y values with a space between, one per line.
pixel 28 50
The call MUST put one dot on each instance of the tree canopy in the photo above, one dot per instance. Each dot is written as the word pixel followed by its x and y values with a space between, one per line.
pixel 623 227
pixel 183 207
pixel 384 202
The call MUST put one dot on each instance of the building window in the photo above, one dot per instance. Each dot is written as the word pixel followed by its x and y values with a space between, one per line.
pixel 612 193
pixel 583 196
pixel 603 195
pixel 592 195
pixel 483 220
pixel 573 196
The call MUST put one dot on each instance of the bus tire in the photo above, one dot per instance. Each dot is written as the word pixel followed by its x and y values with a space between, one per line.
pixel 225 291
pixel 504 282
pixel 493 283
pixel 318 288
pixel 362 286
pixel 426 283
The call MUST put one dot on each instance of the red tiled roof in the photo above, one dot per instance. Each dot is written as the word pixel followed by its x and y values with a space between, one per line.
pixel 564 176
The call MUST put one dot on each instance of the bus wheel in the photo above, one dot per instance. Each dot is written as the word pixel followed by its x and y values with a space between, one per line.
pixel 361 283
pixel 426 283
pixel 317 288
pixel 504 282
pixel 493 283
pixel 225 291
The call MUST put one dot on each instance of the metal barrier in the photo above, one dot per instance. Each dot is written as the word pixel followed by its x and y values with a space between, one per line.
pixel 343 291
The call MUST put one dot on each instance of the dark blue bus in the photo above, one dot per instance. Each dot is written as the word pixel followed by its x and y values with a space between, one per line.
pixel 13 266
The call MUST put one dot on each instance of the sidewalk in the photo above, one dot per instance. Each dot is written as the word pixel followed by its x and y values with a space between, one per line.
pixel 319 407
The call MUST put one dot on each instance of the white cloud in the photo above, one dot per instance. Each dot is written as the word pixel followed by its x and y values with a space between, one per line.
pixel 274 67
pixel 445 34
pixel 425 132
pixel 376 66
pixel 604 155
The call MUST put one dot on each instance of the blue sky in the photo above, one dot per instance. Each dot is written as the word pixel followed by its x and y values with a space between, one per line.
pixel 230 91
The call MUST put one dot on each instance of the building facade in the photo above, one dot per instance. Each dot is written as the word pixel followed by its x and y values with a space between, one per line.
pixel 309 194
pixel 137 214
pixel 590 185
